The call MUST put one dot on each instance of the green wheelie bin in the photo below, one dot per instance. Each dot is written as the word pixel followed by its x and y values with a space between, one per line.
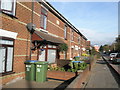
pixel 41 71
pixel 30 70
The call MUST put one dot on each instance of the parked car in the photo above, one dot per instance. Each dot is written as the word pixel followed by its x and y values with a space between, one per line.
pixel 116 59
pixel 113 56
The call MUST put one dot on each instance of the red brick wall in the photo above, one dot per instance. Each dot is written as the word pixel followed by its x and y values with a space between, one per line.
pixel 60 75
pixel 23 14
pixel 8 78
pixel 22 43
pixel 58 30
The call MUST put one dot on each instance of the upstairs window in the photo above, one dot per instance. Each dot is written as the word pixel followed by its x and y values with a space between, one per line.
pixel 43 18
pixel 65 32
pixel 8 6
pixel 78 40
pixel 72 35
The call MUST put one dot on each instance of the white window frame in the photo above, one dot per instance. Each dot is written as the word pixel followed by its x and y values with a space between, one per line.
pixel 8 56
pixel 43 23
pixel 4 4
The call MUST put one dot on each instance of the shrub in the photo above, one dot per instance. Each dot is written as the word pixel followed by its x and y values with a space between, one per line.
pixel 63 47
pixel 82 66
pixel 84 54
pixel 62 69
pixel 77 66
pixel 69 70
pixel 72 67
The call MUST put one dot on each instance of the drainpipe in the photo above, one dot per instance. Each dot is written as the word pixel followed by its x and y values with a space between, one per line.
pixel 32 18
pixel 70 43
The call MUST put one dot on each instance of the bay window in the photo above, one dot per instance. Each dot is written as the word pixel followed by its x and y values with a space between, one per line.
pixel 6 55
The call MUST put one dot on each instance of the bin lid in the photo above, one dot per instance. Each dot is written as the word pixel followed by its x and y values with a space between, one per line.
pixel 41 62
pixel 30 61
pixel 77 61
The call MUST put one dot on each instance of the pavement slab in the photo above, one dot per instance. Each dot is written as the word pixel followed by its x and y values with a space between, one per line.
pixel 32 84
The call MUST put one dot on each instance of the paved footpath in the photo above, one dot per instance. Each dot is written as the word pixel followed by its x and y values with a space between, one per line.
pixel 101 77
pixel 32 84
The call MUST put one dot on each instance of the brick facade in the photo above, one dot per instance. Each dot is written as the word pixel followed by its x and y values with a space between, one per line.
pixel 22 42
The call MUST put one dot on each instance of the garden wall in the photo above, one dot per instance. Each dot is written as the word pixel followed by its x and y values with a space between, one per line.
pixel 82 78
pixel 60 75
pixel 62 62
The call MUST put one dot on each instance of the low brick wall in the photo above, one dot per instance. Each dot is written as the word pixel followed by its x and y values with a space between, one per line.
pixel 9 78
pixel 60 75
pixel 82 78
pixel 62 62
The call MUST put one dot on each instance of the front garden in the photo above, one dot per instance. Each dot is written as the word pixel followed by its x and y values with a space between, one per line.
pixel 77 64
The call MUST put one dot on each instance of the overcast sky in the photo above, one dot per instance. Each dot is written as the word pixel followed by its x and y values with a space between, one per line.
pixel 98 21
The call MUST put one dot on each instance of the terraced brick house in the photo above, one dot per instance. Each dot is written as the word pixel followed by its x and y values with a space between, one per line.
pixel 18 44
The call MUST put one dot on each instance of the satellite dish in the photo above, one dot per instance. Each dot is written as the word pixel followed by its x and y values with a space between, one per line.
pixel 31 27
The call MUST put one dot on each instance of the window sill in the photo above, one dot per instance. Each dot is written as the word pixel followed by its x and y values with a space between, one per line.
pixel 10 15
pixel 7 73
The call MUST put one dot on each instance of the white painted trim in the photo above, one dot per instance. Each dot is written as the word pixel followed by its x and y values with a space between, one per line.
pixel 20 55
pixel 5 33
pixel 22 39
pixel 24 55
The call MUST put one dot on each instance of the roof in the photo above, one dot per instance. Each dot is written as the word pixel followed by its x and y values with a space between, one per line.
pixel 49 38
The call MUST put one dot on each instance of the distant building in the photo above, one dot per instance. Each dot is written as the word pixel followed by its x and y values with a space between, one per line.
pixel 96 48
